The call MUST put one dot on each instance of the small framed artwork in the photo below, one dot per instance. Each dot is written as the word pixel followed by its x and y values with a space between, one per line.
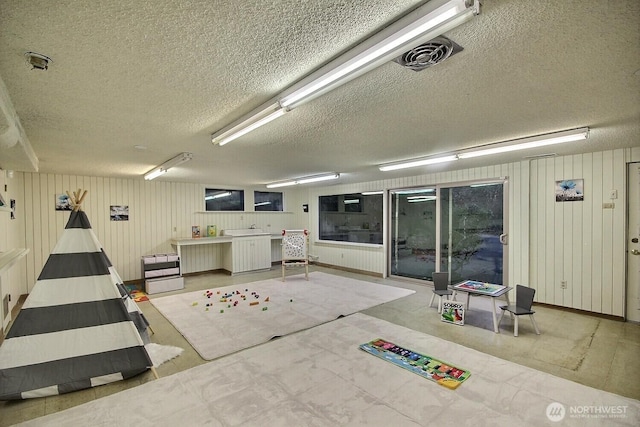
pixel 570 190
pixel 195 231
pixel 119 213
pixel 13 208
pixel 212 231
pixel 63 203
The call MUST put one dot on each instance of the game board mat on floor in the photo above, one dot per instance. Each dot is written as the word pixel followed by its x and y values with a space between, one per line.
pixel 221 321
pixel 426 366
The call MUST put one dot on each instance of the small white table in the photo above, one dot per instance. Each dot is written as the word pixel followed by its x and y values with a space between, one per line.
pixel 493 291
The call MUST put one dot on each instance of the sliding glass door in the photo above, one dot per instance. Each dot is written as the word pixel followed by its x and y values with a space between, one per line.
pixel 413 233
pixel 457 228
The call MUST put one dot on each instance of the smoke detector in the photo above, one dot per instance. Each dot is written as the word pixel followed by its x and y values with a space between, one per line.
pixel 37 61
pixel 428 54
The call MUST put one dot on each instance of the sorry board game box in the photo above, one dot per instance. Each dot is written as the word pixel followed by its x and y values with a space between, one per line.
pixel 453 312
pixel 426 366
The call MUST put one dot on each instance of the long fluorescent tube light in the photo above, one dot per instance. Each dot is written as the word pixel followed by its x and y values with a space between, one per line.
pixel 318 178
pixel 418 162
pixel 496 148
pixel 281 184
pixel 421 25
pixel 253 122
pixel 305 180
pixel 163 168
pixel 531 142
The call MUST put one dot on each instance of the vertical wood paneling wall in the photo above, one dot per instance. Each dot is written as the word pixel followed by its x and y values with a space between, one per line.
pixel 577 242
pixel 580 243
pixel 158 212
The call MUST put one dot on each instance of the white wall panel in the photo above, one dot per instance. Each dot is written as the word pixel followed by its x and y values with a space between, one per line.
pixel 580 243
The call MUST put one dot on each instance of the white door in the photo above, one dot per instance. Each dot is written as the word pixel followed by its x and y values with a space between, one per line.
pixel 633 244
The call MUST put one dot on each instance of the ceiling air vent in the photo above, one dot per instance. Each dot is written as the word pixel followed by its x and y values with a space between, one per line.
pixel 428 54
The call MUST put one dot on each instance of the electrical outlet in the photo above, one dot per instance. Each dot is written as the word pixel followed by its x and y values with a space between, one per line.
pixel 563 284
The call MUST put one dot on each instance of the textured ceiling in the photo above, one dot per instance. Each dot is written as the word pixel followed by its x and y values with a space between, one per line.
pixel 165 74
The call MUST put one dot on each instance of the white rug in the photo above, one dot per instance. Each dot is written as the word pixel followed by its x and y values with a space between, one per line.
pixel 293 305
pixel 319 377
pixel 160 354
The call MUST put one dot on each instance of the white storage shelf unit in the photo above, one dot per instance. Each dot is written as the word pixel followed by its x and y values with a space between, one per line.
pixel 162 273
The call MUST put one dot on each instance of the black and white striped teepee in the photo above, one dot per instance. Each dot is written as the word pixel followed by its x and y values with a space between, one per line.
pixel 78 327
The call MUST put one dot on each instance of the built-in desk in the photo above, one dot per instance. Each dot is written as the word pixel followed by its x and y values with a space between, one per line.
pixel 242 250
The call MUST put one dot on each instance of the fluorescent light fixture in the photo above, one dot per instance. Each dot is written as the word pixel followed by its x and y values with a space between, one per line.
pixel 318 178
pixel 244 127
pixel 305 180
pixel 262 204
pixel 154 174
pixel 417 162
pixel 371 193
pixel 351 201
pixel 281 184
pixel 163 168
pixel 496 148
pixel 526 143
pixel 425 23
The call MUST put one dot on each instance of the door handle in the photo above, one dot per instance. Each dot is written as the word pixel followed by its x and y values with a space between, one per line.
pixel 635 252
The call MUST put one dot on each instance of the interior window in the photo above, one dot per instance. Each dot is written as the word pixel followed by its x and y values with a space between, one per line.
pixel 223 200
pixel 352 217
pixel 267 201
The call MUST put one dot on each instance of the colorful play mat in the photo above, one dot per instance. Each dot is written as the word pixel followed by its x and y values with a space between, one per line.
pixel 426 366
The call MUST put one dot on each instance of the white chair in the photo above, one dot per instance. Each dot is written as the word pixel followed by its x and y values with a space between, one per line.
pixel 295 250
pixel 440 288
pixel 524 301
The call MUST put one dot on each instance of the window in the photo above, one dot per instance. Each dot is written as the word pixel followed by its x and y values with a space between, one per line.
pixel 223 200
pixel 351 218
pixel 267 201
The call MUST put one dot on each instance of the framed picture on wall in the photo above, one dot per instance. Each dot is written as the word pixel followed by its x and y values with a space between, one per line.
pixel 119 213
pixel 63 203
pixel 570 190
pixel 13 208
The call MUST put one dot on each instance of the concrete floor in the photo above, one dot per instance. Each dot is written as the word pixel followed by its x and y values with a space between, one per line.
pixel 593 351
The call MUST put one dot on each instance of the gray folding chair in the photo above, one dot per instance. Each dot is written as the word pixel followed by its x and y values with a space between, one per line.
pixel 524 301
pixel 440 288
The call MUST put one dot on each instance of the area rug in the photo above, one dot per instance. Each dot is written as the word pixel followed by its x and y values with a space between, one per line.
pixel 224 320
pixel 320 377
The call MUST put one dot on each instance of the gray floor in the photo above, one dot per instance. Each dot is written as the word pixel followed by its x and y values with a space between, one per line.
pixel 597 352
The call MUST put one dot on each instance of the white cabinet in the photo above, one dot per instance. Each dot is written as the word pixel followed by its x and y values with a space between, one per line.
pixel 248 253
